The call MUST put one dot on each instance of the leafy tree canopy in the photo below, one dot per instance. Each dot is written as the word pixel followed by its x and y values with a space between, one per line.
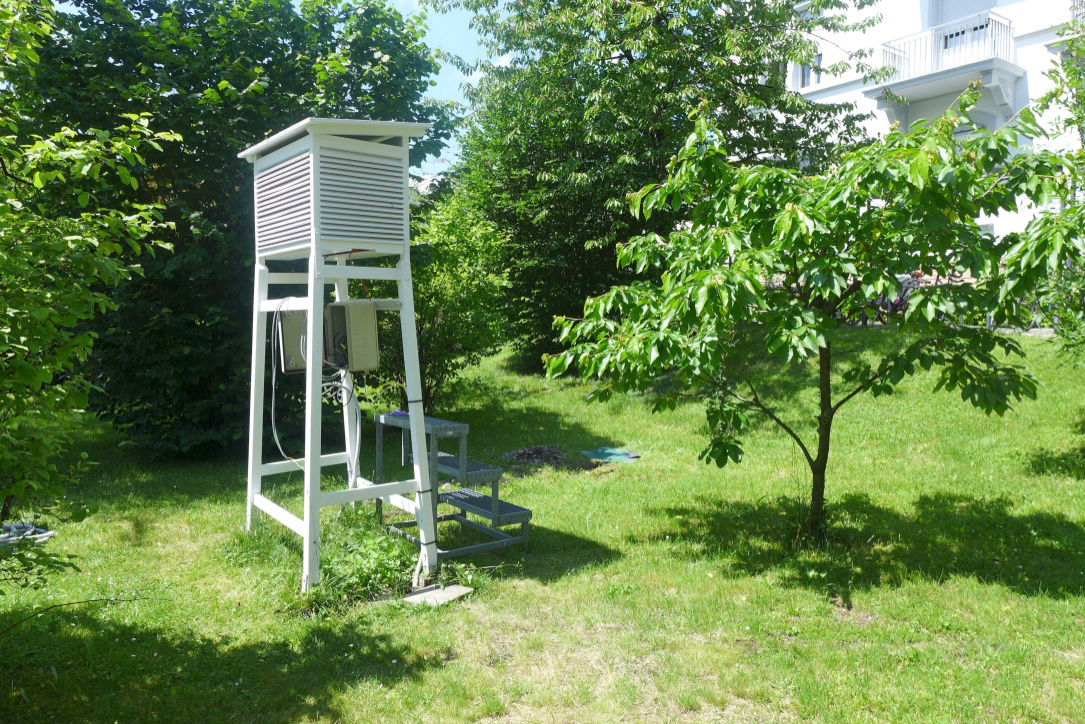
pixel 781 260
pixel 66 237
pixel 173 358
pixel 592 98
pixel 1065 295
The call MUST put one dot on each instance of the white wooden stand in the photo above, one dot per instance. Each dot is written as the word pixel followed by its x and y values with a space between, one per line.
pixel 301 150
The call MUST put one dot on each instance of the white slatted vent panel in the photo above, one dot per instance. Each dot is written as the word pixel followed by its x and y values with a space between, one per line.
pixel 283 204
pixel 361 197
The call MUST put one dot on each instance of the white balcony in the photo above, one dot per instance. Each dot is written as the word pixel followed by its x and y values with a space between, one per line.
pixel 945 59
pixel 1077 9
pixel 963 42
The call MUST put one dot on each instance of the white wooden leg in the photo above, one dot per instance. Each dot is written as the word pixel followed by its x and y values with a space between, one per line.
pixel 346 397
pixel 427 510
pixel 256 392
pixel 350 425
pixel 314 358
pixel 378 470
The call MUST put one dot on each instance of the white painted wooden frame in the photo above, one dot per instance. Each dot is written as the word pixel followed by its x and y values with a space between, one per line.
pixel 308 137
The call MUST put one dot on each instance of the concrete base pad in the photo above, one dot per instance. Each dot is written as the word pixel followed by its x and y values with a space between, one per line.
pixel 435 595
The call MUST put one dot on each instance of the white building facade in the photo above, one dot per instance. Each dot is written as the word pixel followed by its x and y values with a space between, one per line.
pixel 938 47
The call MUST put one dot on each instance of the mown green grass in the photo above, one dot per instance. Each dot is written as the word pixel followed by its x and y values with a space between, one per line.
pixel 951 587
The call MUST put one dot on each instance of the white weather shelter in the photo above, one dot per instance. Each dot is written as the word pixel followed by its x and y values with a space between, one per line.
pixel 333 192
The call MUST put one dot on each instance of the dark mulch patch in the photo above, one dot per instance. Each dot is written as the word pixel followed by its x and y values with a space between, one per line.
pixel 524 459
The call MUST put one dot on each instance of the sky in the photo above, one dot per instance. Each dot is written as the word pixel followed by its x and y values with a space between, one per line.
pixel 452 33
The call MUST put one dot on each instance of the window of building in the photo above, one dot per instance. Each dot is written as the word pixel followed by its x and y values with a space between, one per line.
pixel 810 74
pixel 962 36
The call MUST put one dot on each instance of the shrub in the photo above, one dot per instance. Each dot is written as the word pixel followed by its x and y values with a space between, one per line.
pixel 360 562
pixel 66 239
pixel 55 265
pixel 457 296
pixel 171 365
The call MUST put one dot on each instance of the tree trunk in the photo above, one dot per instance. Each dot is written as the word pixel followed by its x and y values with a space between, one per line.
pixel 815 521
pixel 816 518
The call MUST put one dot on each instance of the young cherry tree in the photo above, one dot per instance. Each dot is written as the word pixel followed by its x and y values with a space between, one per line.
pixel 1064 294
pixel 783 261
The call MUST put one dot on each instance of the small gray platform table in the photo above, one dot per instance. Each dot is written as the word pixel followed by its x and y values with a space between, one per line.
pixel 466 472
pixel 437 430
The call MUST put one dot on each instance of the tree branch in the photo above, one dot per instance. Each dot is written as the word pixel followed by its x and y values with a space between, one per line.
pixel 852 289
pixel 861 388
pixel 4 169
pixel 756 402
pixel 870 381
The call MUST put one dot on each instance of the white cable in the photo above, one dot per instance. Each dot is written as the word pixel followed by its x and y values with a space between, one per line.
pixel 356 448
pixel 329 381
pixel 275 337
pixel 416 579
pixel 332 384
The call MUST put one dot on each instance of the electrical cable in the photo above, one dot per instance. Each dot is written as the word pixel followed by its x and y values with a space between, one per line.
pixel 330 383
pixel 275 337
pixel 416 579
pixel 330 386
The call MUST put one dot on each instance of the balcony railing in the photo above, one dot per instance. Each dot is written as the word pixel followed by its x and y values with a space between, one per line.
pixel 1077 9
pixel 951 45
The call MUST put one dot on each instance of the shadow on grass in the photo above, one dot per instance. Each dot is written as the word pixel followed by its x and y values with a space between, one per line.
pixel 75 666
pixel 552 555
pixel 525 362
pixel 1070 463
pixel 557 554
pixel 123 479
pixel 127 478
pixel 868 546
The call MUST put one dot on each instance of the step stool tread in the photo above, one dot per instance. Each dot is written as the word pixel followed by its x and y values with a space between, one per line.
pixel 481 505
pixel 449 464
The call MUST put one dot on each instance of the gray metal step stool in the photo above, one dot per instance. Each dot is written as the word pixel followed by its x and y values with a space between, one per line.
pixel 465 471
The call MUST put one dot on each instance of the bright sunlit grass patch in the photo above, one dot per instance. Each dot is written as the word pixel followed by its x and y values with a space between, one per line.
pixel 951 584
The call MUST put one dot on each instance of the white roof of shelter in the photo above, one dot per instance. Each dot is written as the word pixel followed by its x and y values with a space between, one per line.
pixel 352 127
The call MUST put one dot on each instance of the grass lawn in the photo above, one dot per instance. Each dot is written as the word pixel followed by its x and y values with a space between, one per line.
pixel 952 586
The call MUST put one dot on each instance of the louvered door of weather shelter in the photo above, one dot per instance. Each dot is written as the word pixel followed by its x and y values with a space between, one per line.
pixel 334 193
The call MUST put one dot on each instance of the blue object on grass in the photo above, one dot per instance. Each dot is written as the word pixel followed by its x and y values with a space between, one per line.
pixel 610 455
